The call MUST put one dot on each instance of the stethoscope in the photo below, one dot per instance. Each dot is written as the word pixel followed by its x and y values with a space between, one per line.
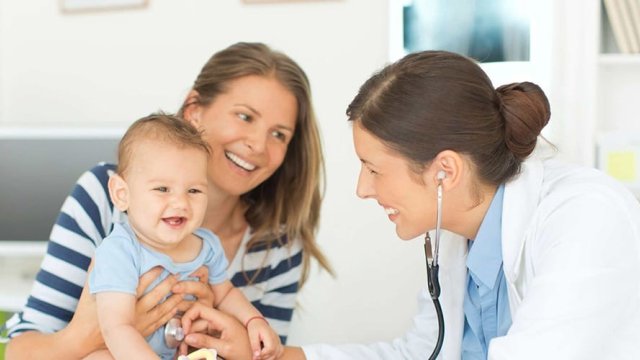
pixel 174 334
pixel 431 258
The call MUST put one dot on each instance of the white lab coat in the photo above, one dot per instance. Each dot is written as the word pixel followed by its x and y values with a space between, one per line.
pixel 571 255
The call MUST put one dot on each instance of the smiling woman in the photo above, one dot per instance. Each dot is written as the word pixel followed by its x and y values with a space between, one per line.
pixel 253 106
pixel 386 177
pixel 249 128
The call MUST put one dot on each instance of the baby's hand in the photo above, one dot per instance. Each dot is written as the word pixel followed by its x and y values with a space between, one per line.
pixel 265 343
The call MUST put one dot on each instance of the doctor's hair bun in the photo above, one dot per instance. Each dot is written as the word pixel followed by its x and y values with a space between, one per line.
pixel 525 110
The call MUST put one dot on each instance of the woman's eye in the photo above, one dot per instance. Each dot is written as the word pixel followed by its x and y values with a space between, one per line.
pixel 161 189
pixel 244 117
pixel 372 172
pixel 279 135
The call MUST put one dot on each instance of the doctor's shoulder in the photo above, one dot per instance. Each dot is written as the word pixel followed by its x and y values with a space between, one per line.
pixel 585 197
pixel 566 180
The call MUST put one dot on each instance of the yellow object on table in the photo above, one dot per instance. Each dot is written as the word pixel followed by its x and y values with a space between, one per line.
pixel 202 354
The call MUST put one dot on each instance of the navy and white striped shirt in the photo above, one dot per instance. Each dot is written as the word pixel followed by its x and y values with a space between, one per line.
pixel 87 216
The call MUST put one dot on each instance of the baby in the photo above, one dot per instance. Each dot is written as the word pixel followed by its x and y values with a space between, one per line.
pixel 161 184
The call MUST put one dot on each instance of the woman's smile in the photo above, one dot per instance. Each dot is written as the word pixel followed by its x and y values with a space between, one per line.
pixel 239 162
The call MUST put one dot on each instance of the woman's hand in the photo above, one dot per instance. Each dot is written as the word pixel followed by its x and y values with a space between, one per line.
pixel 201 323
pixel 199 289
pixel 150 313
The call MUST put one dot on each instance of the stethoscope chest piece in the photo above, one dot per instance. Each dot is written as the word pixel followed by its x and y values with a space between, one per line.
pixel 173 333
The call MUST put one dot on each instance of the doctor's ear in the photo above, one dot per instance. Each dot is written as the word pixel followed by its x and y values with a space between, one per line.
pixel 119 192
pixel 446 168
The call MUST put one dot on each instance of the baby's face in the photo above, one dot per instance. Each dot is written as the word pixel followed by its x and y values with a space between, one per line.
pixel 167 192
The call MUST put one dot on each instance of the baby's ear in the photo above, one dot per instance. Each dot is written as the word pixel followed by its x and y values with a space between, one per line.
pixel 119 192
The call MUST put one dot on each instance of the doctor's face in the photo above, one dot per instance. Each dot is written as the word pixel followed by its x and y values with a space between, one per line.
pixel 386 177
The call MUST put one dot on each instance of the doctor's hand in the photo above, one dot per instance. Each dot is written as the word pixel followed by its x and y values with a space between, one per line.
pixel 206 327
pixel 200 290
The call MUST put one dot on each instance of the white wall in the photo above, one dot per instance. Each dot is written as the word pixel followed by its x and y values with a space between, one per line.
pixel 110 68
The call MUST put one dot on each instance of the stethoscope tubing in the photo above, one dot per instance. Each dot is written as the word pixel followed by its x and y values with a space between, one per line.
pixel 433 283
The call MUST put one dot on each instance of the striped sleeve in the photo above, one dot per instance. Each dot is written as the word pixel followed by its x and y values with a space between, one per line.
pixel 84 220
pixel 276 276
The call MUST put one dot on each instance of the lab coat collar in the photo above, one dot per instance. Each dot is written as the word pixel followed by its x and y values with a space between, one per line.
pixel 521 197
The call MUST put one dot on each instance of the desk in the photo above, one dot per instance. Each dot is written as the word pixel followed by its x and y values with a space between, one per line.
pixel 19 263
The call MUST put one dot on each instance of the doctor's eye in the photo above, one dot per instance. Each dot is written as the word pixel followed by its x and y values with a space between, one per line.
pixel 244 117
pixel 371 171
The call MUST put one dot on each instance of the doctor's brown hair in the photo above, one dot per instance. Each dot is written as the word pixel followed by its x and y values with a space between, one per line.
pixel 432 101
pixel 287 203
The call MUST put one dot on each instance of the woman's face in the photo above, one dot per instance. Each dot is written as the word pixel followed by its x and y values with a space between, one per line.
pixel 386 177
pixel 248 128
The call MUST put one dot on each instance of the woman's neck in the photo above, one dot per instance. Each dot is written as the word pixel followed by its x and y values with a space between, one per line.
pixel 225 216
pixel 470 215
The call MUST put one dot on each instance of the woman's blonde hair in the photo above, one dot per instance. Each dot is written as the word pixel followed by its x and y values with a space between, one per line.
pixel 287 203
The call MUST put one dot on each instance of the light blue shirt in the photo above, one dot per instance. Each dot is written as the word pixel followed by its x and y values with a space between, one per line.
pixel 121 259
pixel 486 302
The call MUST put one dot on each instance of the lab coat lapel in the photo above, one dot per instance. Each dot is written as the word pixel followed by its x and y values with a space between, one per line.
pixel 521 198
pixel 453 272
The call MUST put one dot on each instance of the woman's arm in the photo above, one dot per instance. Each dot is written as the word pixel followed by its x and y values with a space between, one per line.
pixel 82 335
pixel 83 221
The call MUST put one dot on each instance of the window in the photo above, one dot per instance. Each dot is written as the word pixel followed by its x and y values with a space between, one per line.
pixel 486 30
pixel 512 39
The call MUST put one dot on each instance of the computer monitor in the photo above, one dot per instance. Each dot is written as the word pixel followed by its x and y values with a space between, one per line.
pixel 38 168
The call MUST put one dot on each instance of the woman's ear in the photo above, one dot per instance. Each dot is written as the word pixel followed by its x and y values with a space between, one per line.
pixel 119 192
pixel 191 108
pixel 448 167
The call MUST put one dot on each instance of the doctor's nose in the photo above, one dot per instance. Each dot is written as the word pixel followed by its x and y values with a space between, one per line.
pixel 364 189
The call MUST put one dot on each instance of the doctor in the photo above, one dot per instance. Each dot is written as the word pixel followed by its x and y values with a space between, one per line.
pixel 548 262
